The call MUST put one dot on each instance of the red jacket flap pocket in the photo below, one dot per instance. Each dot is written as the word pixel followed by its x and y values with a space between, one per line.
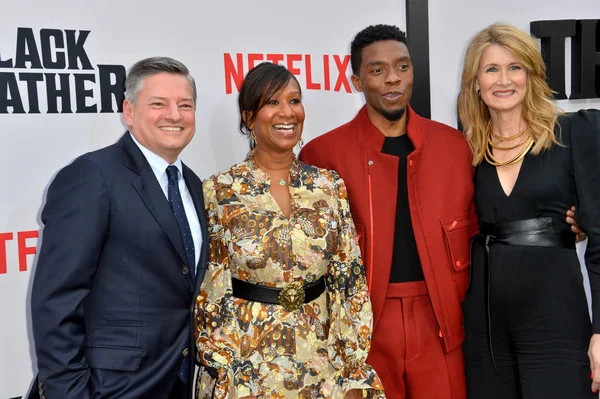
pixel 457 230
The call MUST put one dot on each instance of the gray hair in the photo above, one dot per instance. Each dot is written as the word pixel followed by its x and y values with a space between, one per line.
pixel 152 66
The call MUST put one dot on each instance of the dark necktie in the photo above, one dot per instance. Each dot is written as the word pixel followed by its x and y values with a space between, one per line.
pixel 182 221
pixel 188 243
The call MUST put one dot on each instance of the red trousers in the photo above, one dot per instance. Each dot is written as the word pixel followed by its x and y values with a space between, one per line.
pixel 407 350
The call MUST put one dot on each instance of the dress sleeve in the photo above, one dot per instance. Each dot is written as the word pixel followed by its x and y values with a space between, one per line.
pixel 351 316
pixel 217 328
pixel 584 129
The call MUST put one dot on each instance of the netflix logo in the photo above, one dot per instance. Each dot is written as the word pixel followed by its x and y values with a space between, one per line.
pixel 24 242
pixel 324 72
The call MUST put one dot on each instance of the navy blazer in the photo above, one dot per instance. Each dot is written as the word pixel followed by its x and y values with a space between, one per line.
pixel 112 296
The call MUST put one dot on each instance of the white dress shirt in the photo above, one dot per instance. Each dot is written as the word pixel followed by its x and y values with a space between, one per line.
pixel 159 167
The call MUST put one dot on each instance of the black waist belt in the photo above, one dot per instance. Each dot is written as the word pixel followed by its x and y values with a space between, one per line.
pixel 291 297
pixel 537 232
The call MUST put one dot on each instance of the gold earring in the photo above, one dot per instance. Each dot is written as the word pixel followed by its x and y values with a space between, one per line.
pixel 252 140
pixel 478 92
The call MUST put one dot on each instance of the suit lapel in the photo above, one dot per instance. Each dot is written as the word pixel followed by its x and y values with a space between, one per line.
pixel 152 195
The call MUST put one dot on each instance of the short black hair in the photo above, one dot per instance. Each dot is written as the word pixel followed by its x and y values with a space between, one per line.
pixel 370 35
pixel 260 84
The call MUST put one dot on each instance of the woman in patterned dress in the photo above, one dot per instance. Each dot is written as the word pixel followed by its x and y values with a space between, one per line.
pixel 283 311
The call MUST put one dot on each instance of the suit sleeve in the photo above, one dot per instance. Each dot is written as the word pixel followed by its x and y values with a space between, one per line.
pixel 584 129
pixel 76 217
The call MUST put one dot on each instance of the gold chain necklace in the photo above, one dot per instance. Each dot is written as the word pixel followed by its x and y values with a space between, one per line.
pixel 489 156
pixel 502 138
pixel 511 147
pixel 282 180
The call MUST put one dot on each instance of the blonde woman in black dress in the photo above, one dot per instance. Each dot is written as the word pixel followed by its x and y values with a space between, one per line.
pixel 528 331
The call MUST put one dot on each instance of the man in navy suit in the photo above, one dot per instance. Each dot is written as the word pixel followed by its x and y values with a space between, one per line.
pixel 123 254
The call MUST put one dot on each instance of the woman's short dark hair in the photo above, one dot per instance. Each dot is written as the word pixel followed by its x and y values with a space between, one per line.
pixel 260 84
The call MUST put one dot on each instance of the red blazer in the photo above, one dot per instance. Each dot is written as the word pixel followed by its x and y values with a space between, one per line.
pixel 440 195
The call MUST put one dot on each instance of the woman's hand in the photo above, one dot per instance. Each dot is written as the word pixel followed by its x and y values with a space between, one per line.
pixel 594 355
pixel 580 235
pixel 354 394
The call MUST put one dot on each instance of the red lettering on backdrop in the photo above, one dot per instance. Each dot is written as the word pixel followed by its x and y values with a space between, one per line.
pixel 4 237
pixel 252 58
pixel 342 79
pixel 235 72
pixel 291 58
pixel 24 250
pixel 232 72
pixel 309 83
pixel 326 77
pixel 275 58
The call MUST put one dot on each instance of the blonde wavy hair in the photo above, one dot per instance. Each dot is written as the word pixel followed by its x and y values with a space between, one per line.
pixel 539 112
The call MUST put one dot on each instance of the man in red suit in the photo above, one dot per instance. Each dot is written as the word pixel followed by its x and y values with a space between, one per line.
pixel 410 187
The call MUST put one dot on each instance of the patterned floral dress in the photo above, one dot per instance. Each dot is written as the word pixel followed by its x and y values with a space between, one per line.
pixel 317 351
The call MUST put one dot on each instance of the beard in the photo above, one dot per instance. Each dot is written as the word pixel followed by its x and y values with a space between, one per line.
pixel 393 115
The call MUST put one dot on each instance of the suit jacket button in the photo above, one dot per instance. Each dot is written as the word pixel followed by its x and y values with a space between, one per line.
pixel 185 352
pixel 185 270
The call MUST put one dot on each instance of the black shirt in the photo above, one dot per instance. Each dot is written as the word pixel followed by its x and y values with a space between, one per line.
pixel 406 265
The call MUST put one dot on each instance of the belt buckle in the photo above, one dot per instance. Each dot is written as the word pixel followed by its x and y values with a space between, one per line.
pixel 291 297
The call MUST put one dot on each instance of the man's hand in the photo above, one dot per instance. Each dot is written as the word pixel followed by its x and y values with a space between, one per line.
pixel 580 235
pixel 594 355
